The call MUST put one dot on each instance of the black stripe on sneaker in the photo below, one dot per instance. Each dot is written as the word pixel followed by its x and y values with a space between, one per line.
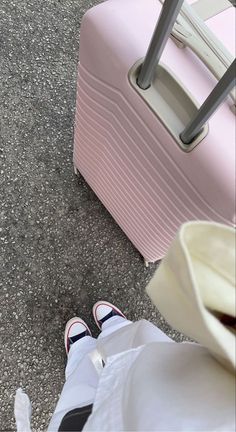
pixel 77 337
pixel 110 315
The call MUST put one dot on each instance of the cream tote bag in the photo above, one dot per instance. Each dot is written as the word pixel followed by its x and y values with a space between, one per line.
pixel 194 287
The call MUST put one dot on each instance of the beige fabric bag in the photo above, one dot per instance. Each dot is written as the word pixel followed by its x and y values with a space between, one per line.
pixel 194 287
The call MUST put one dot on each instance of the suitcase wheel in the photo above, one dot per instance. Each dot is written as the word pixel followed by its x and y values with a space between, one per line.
pixel 77 173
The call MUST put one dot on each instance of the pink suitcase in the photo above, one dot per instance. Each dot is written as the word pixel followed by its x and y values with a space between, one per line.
pixel 127 140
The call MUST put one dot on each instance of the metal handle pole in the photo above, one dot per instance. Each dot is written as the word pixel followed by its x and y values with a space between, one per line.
pixel 216 97
pixel 169 13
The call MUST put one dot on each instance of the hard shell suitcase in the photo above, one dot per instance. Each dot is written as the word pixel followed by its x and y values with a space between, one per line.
pixel 153 158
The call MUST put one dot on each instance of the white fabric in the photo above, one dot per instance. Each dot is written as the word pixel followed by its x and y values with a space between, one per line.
pixel 164 387
pixel 81 381
pixel 196 280
pixel 82 373
pixel 149 384
pixel 22 411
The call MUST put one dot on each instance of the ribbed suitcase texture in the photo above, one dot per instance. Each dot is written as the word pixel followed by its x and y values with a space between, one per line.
pixel 148 184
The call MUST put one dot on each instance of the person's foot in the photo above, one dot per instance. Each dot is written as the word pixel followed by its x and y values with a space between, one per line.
pixel 75 329
pixel 103 310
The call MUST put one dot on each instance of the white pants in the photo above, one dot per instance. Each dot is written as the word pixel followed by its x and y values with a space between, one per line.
pixel 154 375
pixel 81 374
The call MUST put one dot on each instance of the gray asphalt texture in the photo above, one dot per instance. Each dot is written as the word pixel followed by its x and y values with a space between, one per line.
pixel 61 251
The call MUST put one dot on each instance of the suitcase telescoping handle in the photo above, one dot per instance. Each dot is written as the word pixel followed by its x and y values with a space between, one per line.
pixel 170 11
pixel 216 97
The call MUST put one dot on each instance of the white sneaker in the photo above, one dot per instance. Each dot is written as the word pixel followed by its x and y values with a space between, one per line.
pixel 75 329
pixel 103 310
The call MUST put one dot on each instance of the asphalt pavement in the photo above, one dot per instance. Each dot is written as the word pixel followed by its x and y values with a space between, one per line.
pixel 61 251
